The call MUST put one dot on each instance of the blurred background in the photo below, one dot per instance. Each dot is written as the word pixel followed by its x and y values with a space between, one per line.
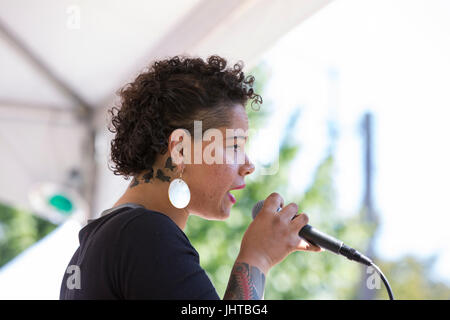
pixel 353 126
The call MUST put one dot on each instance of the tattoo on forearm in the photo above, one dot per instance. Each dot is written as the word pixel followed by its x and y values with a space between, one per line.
pixel 149 176
pixel 246 283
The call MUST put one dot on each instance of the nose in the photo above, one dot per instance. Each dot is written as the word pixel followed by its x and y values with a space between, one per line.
pixel 247 167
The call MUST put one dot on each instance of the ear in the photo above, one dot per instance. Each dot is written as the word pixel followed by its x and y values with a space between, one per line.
pixel 179 146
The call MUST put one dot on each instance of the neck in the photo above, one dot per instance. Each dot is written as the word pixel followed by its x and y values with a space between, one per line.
pixel 153 195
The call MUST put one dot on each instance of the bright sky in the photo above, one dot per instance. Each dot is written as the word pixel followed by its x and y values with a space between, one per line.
pixel 390 57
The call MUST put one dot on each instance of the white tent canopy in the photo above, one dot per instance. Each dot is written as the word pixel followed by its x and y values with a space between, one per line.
pixel 62 62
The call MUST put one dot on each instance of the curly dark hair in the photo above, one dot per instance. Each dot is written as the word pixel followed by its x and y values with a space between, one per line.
pixel 171 94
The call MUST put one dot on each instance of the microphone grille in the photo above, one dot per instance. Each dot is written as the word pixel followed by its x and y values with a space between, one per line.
pixel 257 208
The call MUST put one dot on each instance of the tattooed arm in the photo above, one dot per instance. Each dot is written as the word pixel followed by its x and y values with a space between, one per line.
pixel 246 283
pixel 247 278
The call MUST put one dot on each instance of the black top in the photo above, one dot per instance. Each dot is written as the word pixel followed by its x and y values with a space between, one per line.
pixel 134 253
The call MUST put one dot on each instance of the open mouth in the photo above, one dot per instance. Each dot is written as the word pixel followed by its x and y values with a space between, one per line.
pixel 231 197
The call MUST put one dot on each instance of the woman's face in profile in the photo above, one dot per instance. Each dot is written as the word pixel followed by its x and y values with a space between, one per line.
pixel 210 181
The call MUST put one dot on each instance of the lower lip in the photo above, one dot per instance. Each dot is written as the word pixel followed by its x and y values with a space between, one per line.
pixel 231 197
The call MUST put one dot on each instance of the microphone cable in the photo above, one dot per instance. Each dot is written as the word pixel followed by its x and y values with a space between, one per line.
pixel 384 279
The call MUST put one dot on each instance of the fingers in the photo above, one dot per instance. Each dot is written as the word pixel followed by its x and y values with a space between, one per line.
pixel 289 212
pixel 273 202
pixel 299 221
pixel 304 245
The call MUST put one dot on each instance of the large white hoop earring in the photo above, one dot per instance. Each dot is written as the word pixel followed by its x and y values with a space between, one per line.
pixel 179 193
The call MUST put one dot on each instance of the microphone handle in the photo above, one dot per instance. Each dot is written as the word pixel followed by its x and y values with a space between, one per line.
pixel 320 239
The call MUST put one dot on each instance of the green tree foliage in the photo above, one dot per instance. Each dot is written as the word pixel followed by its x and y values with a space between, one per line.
pixel 411 279
pixel 19 230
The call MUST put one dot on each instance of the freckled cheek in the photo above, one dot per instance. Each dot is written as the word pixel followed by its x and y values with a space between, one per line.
pixel 215 181
pixel 224 173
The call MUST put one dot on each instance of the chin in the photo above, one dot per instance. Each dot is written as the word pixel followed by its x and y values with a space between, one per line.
pixel 225 215
pixel 222 214
pixel 218 215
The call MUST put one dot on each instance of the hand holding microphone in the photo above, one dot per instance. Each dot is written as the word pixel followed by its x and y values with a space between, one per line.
pixel 322 240
pixel 277 231
pixel 273 234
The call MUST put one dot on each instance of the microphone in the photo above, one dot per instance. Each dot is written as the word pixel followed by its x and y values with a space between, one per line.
pixel 323 240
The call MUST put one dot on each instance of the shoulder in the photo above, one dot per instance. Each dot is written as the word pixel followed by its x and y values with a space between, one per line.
pixel 134 217
pixel 157 261
pixel 140 226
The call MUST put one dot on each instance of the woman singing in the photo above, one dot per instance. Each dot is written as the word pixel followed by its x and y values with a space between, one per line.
pixel 137 249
